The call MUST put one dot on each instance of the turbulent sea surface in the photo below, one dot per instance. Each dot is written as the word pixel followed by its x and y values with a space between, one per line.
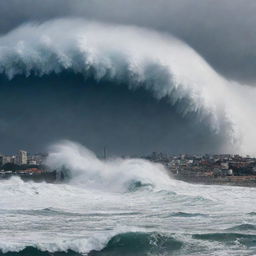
pixel 123 207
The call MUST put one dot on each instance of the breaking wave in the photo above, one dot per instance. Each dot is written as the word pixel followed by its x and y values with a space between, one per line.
pixel 83 168
pixel 137 58
pixel 139 243
pixel 130 243
pixel 121 207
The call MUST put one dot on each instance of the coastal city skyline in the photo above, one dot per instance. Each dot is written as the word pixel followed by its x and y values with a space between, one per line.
pixel 197 168
pixel 23 157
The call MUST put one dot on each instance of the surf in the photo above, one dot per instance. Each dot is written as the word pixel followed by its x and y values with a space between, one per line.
pixel 83 168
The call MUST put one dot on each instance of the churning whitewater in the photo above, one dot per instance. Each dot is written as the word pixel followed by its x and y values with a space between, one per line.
pixel 135 57
pixel 123 207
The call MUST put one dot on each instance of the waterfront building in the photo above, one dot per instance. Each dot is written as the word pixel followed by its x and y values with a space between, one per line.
pixel 22 157
pixel 32 162
pixel 6 160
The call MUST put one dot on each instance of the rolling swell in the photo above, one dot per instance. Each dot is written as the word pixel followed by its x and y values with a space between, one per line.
pixel 138 243
pixel 243 227
pixel 131 243
pixel 32 251
pixel 186 214
pixel 229 238
pixel 252 213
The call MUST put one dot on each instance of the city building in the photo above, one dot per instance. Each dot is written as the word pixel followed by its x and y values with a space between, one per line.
pixel 7 159
pixel 22 157
pixel 32 162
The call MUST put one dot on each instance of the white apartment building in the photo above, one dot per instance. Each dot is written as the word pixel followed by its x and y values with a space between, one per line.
pixel 22 157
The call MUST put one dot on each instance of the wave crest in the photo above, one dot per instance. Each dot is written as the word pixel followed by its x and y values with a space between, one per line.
pixel 130 243
pixel 138 58
pixel 139 243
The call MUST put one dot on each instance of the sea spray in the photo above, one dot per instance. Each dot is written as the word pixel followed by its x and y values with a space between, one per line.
pixel 94 213
pixel 137 58
pixel 116 174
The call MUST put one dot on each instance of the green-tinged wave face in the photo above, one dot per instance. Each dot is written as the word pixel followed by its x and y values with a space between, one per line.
pixel 126 244
pixel 252 213
pixel 245 227
pixel 186 214
pixel 31 251
pixel 137 185
pixel 138 243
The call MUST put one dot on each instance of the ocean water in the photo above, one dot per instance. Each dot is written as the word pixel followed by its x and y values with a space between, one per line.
pixel 147 214
pixel 120 206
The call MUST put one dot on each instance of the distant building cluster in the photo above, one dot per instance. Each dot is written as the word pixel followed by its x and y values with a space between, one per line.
pixel 26 166
pixel 208 168
pixel 22 158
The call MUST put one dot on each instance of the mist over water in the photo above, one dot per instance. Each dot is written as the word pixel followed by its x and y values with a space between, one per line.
pixel 116 175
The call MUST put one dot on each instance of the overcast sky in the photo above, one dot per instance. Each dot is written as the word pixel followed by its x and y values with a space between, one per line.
pixel 223 32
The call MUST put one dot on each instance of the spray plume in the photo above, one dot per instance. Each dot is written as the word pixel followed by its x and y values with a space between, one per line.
pixel 116 175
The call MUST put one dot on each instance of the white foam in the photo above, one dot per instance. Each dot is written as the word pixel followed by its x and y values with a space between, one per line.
pixel 138 57
pixel 116 175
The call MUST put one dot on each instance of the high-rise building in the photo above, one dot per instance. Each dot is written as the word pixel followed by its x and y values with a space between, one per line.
pixel 1 159
pixel 6 160
pixel 22 157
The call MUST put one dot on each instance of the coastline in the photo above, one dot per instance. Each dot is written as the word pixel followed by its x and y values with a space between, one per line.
pixel 241 181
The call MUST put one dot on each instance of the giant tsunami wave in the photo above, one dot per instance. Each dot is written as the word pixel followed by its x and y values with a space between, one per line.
pixel 138 58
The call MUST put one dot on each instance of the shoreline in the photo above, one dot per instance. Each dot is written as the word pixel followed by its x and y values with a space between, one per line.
pixel 48 177
pixel 240 181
